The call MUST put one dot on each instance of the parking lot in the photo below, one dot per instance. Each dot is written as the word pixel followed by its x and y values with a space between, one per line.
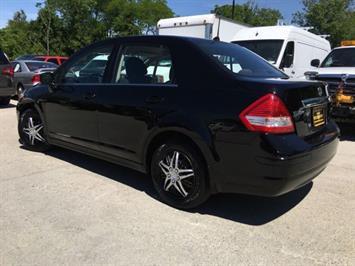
pixel 66 208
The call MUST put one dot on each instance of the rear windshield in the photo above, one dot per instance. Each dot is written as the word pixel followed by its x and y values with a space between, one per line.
pixel 267 49
pixel 33 66
pixel 340 58
pixel 241 61
pixel 3 59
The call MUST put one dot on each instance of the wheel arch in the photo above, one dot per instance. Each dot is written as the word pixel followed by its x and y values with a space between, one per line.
pixel 197 143
pixel 26 104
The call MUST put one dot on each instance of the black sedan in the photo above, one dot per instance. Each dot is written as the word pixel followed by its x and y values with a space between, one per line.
pixel 199 116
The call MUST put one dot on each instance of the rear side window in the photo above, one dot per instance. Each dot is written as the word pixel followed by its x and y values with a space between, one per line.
pixel 144 64
pixel 239 60
pixel 33 66
pixel 3 59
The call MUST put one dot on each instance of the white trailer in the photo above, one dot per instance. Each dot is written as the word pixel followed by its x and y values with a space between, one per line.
pixel 201 26
pixel 288 48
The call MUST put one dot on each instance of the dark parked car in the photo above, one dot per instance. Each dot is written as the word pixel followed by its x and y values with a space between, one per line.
pixel 7 89
pixel 221 119
pixel 27 73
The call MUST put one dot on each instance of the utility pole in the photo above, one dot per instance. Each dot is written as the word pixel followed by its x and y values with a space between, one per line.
pixel 233 7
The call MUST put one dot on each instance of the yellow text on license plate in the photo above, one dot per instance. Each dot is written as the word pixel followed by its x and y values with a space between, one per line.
pixel 318 116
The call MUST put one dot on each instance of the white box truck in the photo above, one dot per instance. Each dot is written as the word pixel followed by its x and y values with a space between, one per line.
pixel 288 48
pixel 201 26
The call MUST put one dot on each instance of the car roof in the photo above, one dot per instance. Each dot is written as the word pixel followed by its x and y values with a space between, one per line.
pixel 343 47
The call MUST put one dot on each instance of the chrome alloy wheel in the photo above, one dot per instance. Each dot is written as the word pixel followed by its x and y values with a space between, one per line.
pixel 178 172
pixel 33 131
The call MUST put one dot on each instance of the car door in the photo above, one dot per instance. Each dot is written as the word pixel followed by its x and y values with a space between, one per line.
pixel 70 108
pixel 142 90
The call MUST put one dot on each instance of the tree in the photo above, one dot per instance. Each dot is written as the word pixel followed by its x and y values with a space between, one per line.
pixel 64 26
pixel 332 17
pixel 16 38
pixel 250 13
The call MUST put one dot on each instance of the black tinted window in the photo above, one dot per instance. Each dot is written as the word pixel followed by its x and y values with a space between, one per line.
pixel 3 59
pixel 33 66
pixel 240 60
pixel 88 67
pixel 145 64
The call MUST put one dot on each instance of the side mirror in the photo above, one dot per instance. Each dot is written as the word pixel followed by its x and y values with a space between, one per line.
pixel 315 63
pixel 47 78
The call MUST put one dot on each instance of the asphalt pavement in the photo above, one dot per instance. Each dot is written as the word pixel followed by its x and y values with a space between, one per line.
pixel 64 208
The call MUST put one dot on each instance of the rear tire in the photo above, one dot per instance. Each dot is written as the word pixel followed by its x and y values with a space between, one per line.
pixel 5 100
pixel 179 175
pixel 30 129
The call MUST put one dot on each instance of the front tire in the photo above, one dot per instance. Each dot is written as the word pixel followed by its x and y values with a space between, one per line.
pixel 31 131
pixel 179 175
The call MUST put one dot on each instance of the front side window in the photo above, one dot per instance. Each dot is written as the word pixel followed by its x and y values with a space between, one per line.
pixel 144 64
pixel 88 67
pixel 267 49
pixel 240 60
pixel 340 58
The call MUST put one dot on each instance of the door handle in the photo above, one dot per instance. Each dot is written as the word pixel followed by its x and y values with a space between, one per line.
pixel 154 99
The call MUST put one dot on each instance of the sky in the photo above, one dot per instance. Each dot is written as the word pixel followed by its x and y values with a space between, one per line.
pixel 180 7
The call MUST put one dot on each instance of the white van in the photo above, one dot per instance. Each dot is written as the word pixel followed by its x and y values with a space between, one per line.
pixel 288 48
pixel 201 26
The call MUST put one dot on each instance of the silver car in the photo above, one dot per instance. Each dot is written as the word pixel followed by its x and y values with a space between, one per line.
pixel 27 73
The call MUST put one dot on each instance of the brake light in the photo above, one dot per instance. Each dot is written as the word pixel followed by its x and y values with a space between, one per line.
pixel 36 79
pixel 268 115
pixel 8 71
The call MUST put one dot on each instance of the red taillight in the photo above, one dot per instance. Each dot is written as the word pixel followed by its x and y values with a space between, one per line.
pixel 269 115
pixel 36 79
pixel 8 71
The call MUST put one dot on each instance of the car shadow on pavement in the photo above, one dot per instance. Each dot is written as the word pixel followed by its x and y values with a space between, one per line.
pixel 251 210
pixel 347 132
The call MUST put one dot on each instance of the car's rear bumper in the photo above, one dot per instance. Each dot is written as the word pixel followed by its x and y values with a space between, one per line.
pixel 263 169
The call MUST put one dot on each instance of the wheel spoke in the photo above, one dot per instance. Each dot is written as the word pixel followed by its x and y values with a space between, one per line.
pixel 182 177
pixel 180 188
pixel 30 122
pixel 169 185
pixel 39 137
pixel 164 167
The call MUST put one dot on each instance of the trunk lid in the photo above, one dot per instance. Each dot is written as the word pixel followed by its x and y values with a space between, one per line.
pixel 308 103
